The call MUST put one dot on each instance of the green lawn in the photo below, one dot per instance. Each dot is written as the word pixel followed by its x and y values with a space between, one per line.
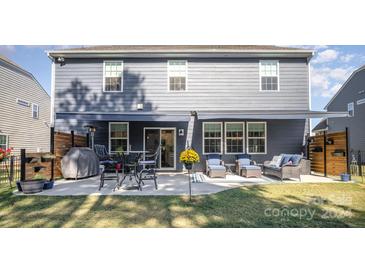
pixel 285 205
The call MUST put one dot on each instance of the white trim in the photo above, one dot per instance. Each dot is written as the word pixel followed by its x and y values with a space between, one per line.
pixel 341 88
pixel 353 109
pixel 53 90
pixel 37 106
pixel 168 76
pixel 221 152
pixel 175 145
pixel 247 138
pixel 122 80
pixel 225 138
pixel 360 101
pixel 109 137
pixel 6 140
pixel 278 74
pixel 309 94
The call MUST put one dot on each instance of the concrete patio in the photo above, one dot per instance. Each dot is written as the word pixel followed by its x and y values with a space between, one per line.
pixel 169 184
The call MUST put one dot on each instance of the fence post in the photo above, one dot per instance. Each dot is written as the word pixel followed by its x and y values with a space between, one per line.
pixel 52 136
pixel 88 139
pixel 22 164
pixel 11 172
pixel 347 151
pixel 359 163
pixel 72 138
pixel 308 140
pixel 325 152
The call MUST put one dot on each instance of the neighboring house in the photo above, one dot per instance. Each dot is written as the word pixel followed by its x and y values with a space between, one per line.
pixel 351 98
pixel 24 110
pixel 218 99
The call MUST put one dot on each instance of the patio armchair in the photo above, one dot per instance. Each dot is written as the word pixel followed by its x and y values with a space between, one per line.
pixel 287 166
pixel 215 166
pixel 102 152
pixel 243 160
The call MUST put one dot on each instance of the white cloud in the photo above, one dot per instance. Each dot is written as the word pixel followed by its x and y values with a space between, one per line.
pixel 7 50
pixel 324 56
pixel 347 57
pixel 331 91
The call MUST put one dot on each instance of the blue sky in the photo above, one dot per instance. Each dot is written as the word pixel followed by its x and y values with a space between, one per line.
pixel 330 67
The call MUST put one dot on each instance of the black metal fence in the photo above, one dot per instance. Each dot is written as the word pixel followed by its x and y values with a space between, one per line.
pixel 357 163
pixel 10 170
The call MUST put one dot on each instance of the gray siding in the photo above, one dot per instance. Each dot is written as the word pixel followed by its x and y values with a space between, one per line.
pixel 16 121
pixel 213 84
pixel 356 125
pixel 283 136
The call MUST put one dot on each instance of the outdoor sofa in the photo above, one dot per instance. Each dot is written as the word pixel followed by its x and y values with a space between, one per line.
pixel 286 166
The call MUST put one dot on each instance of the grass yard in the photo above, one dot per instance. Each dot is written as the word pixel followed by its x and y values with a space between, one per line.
pixel 289 205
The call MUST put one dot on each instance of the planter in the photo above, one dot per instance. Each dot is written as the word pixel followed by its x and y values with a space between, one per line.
pixel 47 185
pixel 345 177
pixel 32 186
pixel 188 166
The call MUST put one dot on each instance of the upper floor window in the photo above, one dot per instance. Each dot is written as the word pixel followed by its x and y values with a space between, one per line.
pixel 256 137
pixel 234 132
pixel 177 73
pixel 35 111
pixel 351 109
pixel 212 137
pixel 3 141
pixel 113 76
pixel 269 75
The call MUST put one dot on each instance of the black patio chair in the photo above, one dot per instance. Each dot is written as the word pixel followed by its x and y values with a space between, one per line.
pixel 148 171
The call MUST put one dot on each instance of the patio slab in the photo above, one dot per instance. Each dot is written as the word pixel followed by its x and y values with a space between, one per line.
pixel 169 184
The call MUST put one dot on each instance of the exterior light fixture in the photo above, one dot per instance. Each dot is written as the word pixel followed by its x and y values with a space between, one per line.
pixel 139 106
pixel 91 129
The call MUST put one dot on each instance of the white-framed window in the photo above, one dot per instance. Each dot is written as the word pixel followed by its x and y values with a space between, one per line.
pixel 351 109
pixel 234 137
pixel 35 111
pixel 177 74
pixel 118 137
pixel 256 137
pixel 113 76
pixel 212 137
pixel 3 141
pixel 269 75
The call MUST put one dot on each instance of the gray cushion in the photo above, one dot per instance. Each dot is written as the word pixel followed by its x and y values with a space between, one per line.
pixel 244 162
pixel 251 167
pixel 214 162
pixel 278 161
pixel 295 158
pixel 217 167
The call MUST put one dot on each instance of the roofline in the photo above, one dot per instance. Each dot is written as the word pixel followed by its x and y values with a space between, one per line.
pixel 26 72
pixel 344 84
pixel 81 53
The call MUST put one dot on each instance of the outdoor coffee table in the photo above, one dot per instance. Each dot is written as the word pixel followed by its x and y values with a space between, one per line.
pixel 251 171
pixel 229 168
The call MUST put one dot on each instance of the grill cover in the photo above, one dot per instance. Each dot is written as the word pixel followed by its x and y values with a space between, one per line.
pixel 80 162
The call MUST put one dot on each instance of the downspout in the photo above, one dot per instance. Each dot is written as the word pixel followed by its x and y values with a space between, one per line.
pixel 53 84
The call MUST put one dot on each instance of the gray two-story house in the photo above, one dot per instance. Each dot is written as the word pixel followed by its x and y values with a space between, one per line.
pixel 24 110
pixel 218 99
pixel 351 98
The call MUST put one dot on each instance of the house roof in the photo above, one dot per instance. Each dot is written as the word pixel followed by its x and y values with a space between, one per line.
pixel 22 70
pixel 181 49
pixel 321 126
pixel 341 88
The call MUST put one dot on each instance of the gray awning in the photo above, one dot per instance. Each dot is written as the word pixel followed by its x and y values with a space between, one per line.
pixel 269 114
pixel 127 116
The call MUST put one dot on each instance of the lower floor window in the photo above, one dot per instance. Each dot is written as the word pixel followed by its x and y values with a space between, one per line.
pixel 256 137
pixel 118 137
pixel 212 137
pixel 3 141
pixel 234 137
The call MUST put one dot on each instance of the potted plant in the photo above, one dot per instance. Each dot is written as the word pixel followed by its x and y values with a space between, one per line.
pixel 189 157
pixel 34 185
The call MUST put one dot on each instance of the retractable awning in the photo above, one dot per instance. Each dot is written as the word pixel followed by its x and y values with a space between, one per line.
pixel 269 114
pixel 127 116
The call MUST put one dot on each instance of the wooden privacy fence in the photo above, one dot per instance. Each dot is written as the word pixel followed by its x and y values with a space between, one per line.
pixel 61 143
pixel 329 153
